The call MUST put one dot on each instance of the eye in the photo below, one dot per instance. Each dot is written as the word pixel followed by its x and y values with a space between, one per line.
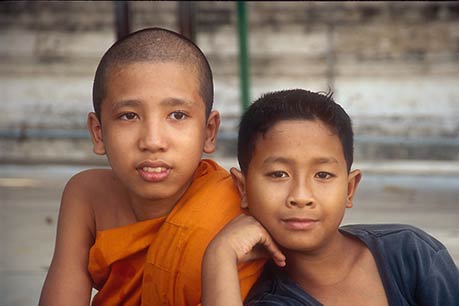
pixel 323 175
pixel 178 115
pixel 128 116
pixel 278 174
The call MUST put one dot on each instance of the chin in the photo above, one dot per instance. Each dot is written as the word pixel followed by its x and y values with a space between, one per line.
pixel 297 246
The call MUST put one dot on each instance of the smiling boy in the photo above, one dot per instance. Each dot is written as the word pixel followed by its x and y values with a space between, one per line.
pixel 137 232
pixel 295 150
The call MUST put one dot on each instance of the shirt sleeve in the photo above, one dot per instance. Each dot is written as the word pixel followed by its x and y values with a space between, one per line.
pixel 440 285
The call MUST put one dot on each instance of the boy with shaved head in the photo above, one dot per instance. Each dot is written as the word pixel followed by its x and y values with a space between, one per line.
pixel 137 232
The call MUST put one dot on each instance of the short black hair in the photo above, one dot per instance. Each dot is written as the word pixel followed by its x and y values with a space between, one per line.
pixel 292 104
pixel 154 45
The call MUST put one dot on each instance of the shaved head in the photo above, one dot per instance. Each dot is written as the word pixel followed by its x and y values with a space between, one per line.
pixel 154 45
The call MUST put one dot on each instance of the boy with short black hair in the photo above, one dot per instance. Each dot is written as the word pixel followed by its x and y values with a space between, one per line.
pixel 295 151
pixel 137 232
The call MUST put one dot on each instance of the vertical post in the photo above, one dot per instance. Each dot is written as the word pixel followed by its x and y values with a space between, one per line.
pixel 243 55
pixel 186 19
pixel 122 22
pixel 331 57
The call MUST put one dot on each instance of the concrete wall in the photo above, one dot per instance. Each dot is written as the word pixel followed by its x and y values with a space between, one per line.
pixel 393 65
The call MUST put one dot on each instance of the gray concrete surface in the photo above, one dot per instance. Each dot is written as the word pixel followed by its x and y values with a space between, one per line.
pixel 393 65
pixel 422 193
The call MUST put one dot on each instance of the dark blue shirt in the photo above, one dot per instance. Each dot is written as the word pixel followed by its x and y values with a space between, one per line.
pixel 415 268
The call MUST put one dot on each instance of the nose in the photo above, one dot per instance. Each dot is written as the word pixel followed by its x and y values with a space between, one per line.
pixel 301 196
pixel 153 136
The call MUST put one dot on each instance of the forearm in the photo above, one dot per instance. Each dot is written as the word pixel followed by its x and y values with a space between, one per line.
pixel 220 282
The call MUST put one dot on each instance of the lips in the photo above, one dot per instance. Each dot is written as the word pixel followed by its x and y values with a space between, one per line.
pixel 154 171
pixel 299 224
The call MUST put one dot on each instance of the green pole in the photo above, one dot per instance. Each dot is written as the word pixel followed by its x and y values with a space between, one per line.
pixel 243 55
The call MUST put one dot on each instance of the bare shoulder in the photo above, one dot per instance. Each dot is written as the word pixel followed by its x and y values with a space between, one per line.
pixel 91 185
pixel 68 279
pixel 100 194
pixel 90 180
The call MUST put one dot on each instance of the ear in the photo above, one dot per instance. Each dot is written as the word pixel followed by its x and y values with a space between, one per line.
pixel 213 123
pixel 239 180
pixel 353 181
pixel 95 129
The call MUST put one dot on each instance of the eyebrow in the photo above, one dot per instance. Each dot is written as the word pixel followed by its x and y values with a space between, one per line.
pixel 277 159
pixel 176 102
pixel 125 103
pixel 137 103
pixel 285 160
pixel 325 160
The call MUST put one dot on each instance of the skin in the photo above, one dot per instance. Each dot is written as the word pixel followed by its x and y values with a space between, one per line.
pixel 296 188
pixel 153 130
pixel 306 172
pixel 147 130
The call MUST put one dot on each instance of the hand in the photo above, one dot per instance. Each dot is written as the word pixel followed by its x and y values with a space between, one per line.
pixel 248 240
pixel 243 239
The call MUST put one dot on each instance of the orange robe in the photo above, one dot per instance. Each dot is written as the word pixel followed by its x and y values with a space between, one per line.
pixel 117 259
pixel 167 252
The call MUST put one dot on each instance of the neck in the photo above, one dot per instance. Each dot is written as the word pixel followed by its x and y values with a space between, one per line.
pixel 326 266
pixel 145 209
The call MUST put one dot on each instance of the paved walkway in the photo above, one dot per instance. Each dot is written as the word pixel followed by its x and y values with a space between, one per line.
pixel 425 194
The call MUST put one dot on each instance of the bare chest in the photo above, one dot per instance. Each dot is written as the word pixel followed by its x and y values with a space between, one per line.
pixel 361 286
pixel 356 294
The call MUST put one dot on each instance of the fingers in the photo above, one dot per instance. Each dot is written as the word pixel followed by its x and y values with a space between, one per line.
pixel 248 240
pixel 272 249
pixel 269 247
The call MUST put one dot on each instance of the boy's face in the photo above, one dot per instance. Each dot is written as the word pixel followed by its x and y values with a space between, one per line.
pixel 297 184
pixel 153 128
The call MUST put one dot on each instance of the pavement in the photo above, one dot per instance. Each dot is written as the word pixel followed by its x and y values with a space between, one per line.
pixel 421 193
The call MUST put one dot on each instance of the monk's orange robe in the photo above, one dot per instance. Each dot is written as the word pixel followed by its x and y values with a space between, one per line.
pixel 116 262
pixel 167 252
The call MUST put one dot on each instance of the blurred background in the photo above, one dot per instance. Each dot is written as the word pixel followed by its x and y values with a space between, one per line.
pixel 394 66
